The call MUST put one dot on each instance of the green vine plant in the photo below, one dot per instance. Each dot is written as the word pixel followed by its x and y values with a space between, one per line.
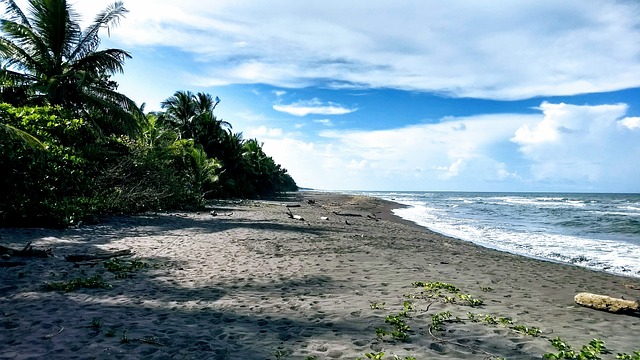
pixel 380 356
pixel 93 282
pixel 434 290
pixel 591 351
pixel 123 268
pixel 634 356
pixel 377 306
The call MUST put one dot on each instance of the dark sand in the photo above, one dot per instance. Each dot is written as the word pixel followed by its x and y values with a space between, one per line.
pixel 252 283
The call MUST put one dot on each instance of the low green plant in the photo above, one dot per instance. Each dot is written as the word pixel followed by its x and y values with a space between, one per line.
pixel 624 356
pixel 439 319
pixel 124 268
pixel 436 285
pixel 373 356
pixel 531 331
pixel 470 300
pixel 110 333
pixel 124 338
pixel 377 306
pixel 591 351
pixel 96 323
pixel 93 282
pixel 381 332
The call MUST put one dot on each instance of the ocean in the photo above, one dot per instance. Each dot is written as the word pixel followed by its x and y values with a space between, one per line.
pixel 596 231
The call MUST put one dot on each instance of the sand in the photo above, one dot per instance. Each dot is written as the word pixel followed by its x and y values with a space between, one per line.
pixel 253 283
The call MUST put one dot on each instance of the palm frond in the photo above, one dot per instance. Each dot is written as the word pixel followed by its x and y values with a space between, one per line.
pixel 89 41
pixel 109 61
pixel 15 13
pixel 23 135
pixel 57 25
pixel 23 48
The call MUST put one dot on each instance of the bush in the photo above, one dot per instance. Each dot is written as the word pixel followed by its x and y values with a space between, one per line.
pixel 43 185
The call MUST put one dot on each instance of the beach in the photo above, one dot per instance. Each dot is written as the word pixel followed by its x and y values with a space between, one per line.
pixel 309 276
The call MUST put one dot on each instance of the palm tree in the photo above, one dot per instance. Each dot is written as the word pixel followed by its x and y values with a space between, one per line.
pixel 192 114
pixel 47 59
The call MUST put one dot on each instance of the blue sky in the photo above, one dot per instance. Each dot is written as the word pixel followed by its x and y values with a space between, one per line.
pixel 528 95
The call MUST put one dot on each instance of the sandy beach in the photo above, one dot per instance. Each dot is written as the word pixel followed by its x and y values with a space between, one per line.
pixel 245 280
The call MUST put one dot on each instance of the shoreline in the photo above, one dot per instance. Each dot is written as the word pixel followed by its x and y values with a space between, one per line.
pixel 252 283
pixel 486 245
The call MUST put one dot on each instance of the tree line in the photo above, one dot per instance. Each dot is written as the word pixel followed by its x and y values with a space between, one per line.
pixel 72 147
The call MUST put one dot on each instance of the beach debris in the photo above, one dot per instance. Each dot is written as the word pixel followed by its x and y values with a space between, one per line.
pixel 214 213
pixel 347 214
pixel 88 257
pixel 8 264
pixel 606 303
pixel 56 333
pixel 373 217
pixel 311 201
pixel 632 287
pixel 27 251
pixel 293 205
pixel 324 218
pixel 295 217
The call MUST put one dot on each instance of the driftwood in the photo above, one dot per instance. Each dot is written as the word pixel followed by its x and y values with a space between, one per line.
pixel 27 251
pixel 293 205
pixel 7 264
pixel 347 214
pixel 291 216
pixel 606 303
pixel 89 257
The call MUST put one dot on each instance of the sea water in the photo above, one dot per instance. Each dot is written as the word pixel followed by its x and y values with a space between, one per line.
pixel 596 231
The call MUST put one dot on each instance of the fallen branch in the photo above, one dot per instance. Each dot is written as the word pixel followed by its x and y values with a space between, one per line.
pixel 347 214
pixel 7 264
pixel 27 251
pixel 293 205
pixel 291 216
pixel 88 257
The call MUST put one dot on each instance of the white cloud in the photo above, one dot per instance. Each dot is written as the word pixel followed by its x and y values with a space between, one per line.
pixel 263 132
pixel 445 155
pixel 325 122
pixel 632 123
pixel 314 106
pixel 582 144
pixel 489 49
pixel 564 148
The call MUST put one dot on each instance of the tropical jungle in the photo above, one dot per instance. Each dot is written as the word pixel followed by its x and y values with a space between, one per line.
pixel 73 148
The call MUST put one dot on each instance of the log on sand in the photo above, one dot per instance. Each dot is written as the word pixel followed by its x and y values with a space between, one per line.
pixel 606 303
pixel 27 251
pixel 89 257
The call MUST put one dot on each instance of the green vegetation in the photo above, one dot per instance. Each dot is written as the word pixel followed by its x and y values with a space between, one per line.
pixel 124 268
pixel 73 148
pixel 591 351
pixel 93 282
pixel 432 292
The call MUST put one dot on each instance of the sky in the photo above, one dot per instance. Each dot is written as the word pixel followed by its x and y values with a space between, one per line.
pixel 424 95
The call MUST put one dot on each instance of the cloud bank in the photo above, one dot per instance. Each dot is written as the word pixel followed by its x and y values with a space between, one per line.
pixel 488 49
pixel 314 106
pixel 564 147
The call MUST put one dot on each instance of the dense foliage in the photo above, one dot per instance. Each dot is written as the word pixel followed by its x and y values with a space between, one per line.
pixel 72 147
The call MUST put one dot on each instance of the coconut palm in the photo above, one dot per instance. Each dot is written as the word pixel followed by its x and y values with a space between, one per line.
pixel 48 59
pixel 192 114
